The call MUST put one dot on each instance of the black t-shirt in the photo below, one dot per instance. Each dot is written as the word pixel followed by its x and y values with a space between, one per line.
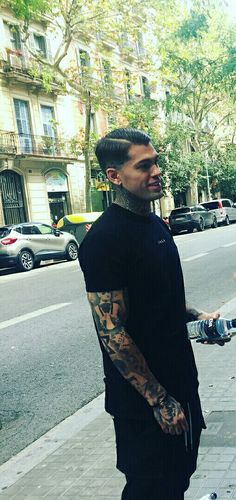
pixel 125 250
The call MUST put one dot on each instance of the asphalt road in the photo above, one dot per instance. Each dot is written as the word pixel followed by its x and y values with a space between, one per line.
pixel 50 362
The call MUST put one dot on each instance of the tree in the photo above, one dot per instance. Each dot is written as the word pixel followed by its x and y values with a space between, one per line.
pixel 99 23
pixel 198 70
pixel 222 172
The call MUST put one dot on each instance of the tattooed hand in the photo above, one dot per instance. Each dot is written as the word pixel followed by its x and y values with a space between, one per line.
pixel 170 416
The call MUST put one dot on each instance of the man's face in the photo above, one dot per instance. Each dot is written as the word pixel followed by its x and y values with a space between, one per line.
pixel 140 175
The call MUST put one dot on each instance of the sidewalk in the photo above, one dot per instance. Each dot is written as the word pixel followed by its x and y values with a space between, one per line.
pixel 76 459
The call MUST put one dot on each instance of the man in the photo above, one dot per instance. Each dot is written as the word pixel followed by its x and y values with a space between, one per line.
pixel 135 288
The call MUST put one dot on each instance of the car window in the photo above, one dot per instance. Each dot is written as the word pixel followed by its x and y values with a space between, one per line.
pixel 212 205
pixel 45 229
pixel 4 231
pixel 200 209
pixel 226 203
pixel 182 210
pixel 26 230
pixel 18 229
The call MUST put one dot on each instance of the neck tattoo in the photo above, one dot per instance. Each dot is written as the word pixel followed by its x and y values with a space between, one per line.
pixel 130 202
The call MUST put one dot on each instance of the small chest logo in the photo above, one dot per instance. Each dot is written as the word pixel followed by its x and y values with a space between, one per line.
pixel 160 242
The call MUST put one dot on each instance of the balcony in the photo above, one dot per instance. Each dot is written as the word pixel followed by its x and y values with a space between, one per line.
pixel 8 145
pixel 44 146
pixel 16 66
pixel 40 146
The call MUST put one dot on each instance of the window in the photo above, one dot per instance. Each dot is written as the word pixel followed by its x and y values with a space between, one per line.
pixel 128 83
pixel 30 230
pixel 93 123
pixel 146 87
pixel 199 209
pixel 47 113
pixel 23 125
pixel 13 36
pixel 107 73
pixel 44 229
pixel 140 44
pixel 212 205
pixel 40 45
pixel 84 61
pixel 226 203
pixel 4 231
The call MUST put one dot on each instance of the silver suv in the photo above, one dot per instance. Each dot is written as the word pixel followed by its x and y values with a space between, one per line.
pixel 25 245
pixel 224 209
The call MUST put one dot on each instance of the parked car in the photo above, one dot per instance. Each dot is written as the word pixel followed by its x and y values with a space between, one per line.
pixel 190 218
pixel 25 245
pixel 224 209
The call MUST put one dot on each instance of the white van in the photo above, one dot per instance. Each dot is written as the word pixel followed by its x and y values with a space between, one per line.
pixel 224 209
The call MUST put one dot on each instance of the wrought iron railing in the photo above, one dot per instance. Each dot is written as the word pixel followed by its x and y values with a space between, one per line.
pixel 35 145
pixel 43 145
pixel 8 144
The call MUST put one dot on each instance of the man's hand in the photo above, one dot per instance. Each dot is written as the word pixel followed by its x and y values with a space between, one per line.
pixel 212 315
pixel 170 416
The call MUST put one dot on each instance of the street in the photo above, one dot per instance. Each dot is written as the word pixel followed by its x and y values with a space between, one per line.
pixel 50 359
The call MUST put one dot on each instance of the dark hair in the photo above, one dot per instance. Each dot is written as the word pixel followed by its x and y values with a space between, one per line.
pixel 113 149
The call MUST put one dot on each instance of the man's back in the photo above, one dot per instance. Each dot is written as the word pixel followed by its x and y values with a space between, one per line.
pixel 136 253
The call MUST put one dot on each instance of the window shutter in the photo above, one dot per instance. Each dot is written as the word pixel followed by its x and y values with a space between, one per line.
pixel 31 42
pixel 48 50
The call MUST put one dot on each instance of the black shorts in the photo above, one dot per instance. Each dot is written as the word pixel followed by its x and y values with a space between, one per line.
pixel 144 451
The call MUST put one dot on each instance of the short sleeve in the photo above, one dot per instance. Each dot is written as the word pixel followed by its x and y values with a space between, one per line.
pixel 103 261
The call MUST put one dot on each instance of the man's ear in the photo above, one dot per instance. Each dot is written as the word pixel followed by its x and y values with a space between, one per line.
pixel 113 176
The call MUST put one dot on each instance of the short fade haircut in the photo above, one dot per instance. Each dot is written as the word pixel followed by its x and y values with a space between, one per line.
pixel 113 149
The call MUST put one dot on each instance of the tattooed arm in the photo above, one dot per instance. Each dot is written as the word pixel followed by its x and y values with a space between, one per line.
pixel 109 311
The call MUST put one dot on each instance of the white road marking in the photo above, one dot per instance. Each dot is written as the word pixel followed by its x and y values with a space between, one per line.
pixel 42 269
pixel 229 244
pixel 34 314
pixel 194 257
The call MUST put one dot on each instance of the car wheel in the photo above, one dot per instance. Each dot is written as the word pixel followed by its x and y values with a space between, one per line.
pixel 25 261
pixel 201 226
pixel 214 224
pixel 227 221
pixel 71 251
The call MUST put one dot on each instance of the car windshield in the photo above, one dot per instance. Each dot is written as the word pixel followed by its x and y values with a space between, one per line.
pixel 212 205
pixel 182 210
pixel 4 231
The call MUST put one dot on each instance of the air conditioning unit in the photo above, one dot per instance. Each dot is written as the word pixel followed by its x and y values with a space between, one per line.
pixel 15 61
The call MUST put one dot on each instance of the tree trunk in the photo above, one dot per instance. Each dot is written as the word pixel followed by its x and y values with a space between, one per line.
pixel 192 192
pixel 88 202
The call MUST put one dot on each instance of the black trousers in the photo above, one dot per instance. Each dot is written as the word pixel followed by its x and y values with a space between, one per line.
pixel 152 489
pixel 157 466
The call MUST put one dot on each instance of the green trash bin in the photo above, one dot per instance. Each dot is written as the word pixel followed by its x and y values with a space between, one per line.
pixel 78 224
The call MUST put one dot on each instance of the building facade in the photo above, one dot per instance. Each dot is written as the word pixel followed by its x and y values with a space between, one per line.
pixel 41 178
